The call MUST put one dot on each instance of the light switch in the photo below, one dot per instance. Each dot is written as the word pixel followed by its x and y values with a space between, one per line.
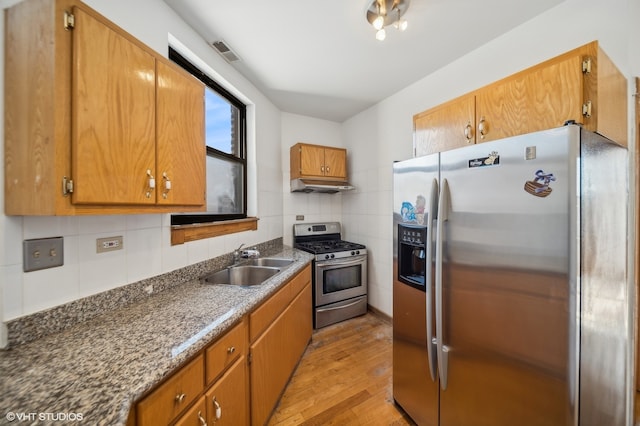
pixel 42 253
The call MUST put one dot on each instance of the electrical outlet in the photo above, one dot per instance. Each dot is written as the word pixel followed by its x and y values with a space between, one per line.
pixel 42 253
pixel 108 244
pixel 299 217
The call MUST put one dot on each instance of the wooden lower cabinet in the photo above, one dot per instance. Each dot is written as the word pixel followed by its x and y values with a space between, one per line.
pixel 227 401
pixel 275 354
pixel 220 385
pixel 173 396
pixel 196 416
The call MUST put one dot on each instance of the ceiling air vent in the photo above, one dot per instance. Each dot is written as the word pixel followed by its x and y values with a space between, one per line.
pixel 225 51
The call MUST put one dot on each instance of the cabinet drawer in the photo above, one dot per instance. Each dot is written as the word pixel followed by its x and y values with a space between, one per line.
pixel 264 315
pixel 226 350
pixel 299 281
pixel 196 416
pixel 173 396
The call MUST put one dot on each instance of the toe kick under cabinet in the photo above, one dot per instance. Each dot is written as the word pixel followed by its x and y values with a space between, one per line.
pixel 239 378
pixel 96 122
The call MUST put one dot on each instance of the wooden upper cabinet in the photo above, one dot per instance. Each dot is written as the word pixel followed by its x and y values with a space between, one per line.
pixel 335 163
pixel 502 110
pixel 113 137
pixel 450 125
pixel 317 161
pixel 95 121
pixel 181 151
pixel 582 85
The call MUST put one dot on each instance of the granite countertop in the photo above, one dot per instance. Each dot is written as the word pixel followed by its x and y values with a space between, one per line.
pixel 95 370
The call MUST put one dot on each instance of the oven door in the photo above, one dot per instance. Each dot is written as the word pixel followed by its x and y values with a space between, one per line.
pixel 340 279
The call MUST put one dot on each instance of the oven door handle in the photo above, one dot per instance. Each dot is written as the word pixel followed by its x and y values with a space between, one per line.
pixel 339 307
pixel 351 263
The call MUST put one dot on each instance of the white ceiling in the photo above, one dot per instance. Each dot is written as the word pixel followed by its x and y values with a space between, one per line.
pixel 321 58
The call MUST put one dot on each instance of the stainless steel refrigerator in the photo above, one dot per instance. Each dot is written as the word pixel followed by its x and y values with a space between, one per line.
pixel 510 293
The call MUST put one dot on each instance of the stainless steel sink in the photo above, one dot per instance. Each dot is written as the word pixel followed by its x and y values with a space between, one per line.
pixel 275 262
pixel 245 275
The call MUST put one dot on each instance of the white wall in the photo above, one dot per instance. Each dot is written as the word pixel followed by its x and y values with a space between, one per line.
pixel 147 251
pixel 383 133
pixel 314 207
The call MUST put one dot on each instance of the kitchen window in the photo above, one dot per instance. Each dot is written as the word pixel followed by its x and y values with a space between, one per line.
pixel 226 164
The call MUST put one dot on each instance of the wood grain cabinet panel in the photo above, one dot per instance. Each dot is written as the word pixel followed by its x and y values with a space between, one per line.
pixel 450 125
pixel 96 122
pixel 275 354
pixel 113 120
pixel 173 396
pixel 582 85
pixel 195 416
pixel 221 354
pixel 317 161
pixel 227 401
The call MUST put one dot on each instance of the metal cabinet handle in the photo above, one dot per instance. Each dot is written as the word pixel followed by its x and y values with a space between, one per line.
pixel 231 349
pixel 468 132
pixel 218 408
pixel 180 397
pixel 322 169
pixel 483 127
pixel 203 422
pixel 327 167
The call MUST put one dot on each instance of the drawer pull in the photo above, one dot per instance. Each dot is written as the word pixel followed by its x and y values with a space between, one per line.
pixel 218 408
pixel 203 422
pixel 231 349
pixel 180 398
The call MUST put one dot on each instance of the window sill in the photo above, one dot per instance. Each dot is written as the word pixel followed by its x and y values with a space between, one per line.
pixel 181 234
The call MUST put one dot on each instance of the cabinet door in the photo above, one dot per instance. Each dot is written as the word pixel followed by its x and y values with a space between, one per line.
pixel 449 126
pixel 227 400
pixel 555 94
pixel 181 148
pixel 195 416
pixel 284 342
pixel 311 160
pixel 113 115
pixel 335 163
pixel 502 110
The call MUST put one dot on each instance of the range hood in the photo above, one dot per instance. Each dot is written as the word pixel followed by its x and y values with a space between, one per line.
pixel 315 185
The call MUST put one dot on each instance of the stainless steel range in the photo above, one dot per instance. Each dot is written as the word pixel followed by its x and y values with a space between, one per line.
pixel 340 272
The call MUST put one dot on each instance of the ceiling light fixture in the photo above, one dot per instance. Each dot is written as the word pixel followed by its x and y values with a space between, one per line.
pixel 381 13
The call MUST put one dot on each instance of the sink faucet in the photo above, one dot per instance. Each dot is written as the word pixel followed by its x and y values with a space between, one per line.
pixel 237 254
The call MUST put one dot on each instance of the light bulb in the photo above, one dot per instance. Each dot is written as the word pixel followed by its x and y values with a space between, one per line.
pixel 381 34
pixel 378 23
pixel 401 24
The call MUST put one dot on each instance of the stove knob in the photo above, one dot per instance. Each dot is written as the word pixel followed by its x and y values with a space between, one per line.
pixel 326 256
pixel 333 255
pixel 357 251
pixel 353 253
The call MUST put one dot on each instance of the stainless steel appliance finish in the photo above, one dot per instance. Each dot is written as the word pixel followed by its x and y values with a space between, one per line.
pixel 339 275
pixel 524 314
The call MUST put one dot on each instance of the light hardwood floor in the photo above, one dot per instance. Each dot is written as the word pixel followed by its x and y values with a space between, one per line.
pixel 344 378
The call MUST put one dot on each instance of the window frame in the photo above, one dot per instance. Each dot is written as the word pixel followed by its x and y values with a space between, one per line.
pixel 207 217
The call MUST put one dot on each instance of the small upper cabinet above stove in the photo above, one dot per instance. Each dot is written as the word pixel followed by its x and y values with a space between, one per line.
pixel 318 162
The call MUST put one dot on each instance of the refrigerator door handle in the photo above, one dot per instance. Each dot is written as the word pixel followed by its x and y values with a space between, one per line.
pixel 442 350
pixel 431 349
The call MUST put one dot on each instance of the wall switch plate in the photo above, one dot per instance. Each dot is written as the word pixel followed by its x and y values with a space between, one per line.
pixel 42 253
pixel 108 244
pixel 299 217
